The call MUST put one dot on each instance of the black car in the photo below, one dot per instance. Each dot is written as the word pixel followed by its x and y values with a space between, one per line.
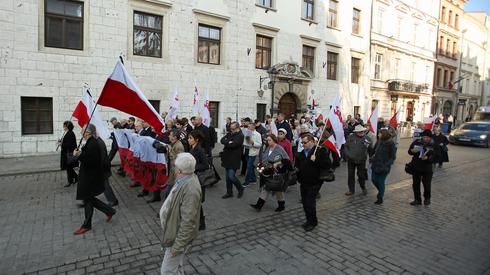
pixel 474 133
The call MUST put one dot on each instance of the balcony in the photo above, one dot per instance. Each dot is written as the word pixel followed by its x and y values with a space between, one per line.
pixel 406 86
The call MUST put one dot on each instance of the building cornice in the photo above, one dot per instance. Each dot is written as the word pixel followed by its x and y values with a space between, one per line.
pixel 215 15
pixel 261 26
pixel 158 2
pixel 406 51
pixel 314 39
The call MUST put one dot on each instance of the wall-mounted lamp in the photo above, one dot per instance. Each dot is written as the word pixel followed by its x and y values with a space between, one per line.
pixel 248 51
pixel 324 64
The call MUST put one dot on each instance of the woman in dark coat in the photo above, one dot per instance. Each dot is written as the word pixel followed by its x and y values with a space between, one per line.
pixel 68 143
pixel 231 159
pixel 382 157
pixel 422 152
pixel 91 179
pixel 441 142
pixel 195 149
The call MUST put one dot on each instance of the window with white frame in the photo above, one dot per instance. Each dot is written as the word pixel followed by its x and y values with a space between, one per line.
pixel 308 6
pixel 378 61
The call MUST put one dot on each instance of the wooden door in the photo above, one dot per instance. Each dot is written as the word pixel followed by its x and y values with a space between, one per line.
pixel 287 105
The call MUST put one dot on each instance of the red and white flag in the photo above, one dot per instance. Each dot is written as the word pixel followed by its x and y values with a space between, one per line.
pixel 429 122
pixel 331 144
pixel 195 103
pixel 173 112
pixel 336 121
pixel 121 92
pixel 205 110
pixel 373 121
pixel 83 113
pixel 395 119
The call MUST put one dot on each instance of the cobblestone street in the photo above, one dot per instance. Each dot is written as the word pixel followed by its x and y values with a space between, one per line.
pixel 354 236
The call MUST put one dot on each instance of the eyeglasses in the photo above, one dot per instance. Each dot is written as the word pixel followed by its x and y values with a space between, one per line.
pixel 304 142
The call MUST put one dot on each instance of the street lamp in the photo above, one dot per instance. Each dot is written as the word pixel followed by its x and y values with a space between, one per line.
pixel 272 77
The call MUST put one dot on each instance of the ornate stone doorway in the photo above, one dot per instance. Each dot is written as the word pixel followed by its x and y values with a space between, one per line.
pixel 288 104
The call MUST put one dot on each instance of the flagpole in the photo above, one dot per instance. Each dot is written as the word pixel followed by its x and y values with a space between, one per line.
pixel 89 119
pixel 318 142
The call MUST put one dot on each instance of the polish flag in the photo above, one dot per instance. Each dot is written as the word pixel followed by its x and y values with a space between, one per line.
pixel 373 121
pixel 429 122
pixel 85 113
pixel 121 92
pixel 395 119
pixel 335 120
pixel 205 110
pixel 331 144
pixel 173 112
pixel 195 103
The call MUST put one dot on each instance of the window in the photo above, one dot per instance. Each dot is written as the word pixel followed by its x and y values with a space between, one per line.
pixel 429 39
pixel 441 44
pixel 438 77
pixel 265 3
pixel 357 110
pixel 37 115
pixel 444 84
pixel 155 104
pixel 412 71
pixel 263 52
pixel 377 65
pixel 399 28
pixel 332 14
pixel 355 69
pixel 214 110
pixel 450 18
pixel 147 34
pixel 308 9
pixel 309 58
pixel 443 14
pixel 332 65
pixel 455 49
pixel 427 74
pixel 456 21
pixel 356 21
pixel 451 78
pixel 397 68
pixel 415 33
pixel 448 47
pixel 379 25
pixel 261 111
pixel 209 45
pixel 63 24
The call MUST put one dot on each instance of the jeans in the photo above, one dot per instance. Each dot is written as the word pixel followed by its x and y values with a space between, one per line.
pixel 250 177
pixel 173 265
pixel 244 162
pixel 379 182
pixel 92 203
pixel 426 180
pixel 361 175
pixel 231 180
pixel 308 198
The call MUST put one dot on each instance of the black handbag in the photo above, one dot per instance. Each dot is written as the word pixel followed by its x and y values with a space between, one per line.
pixel 207 177
pixel 326 175
pixel 292 177
pixel 276 183
pixel 410 168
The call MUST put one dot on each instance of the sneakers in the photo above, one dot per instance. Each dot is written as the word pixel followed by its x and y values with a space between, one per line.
pixel 245 185
pixel 226 196
pixel 416 202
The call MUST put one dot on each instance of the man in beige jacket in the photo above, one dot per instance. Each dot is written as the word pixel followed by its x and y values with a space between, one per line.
pixel 179 215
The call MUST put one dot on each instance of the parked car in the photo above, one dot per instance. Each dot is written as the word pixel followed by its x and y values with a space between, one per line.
pixel 482 114
pixel 474 133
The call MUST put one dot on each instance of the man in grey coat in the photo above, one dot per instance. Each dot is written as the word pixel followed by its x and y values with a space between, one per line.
pixel 356 151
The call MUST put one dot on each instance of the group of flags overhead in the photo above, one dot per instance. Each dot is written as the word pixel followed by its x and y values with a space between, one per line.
pixel 122 93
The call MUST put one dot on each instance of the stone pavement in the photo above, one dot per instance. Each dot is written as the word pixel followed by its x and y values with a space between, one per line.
pixel 38 217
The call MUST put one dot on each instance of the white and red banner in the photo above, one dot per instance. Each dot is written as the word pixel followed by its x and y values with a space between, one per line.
pixel 336 121
pixel 395 119
pixel 140 160
pixel 86 112
pixel 429 122
pixel 206 110
pixel 173 112
pixel 331 144
pixel 373 121
pixel 121 92
pixel 195 103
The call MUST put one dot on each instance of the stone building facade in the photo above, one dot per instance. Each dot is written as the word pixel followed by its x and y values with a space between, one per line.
pixel 50 48
pixel 403 44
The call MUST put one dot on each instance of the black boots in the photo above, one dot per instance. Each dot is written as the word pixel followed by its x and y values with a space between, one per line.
pixel 280 206
pixel 258 205
pixel 156 197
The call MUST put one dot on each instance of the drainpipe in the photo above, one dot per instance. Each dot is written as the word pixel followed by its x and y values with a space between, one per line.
pixel 482 98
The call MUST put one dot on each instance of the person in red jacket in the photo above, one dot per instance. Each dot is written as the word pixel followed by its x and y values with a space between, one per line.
pixel 285 143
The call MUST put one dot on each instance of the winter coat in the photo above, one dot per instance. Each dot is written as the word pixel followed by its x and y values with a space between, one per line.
pixel 201 158
pixel 232 152
pixel 309 171
pixel 68 144
pixel 356 148
pixel 422 166
pixel 288 147
pixel 441 142
pixel 171 154
pixel 91 177
pixel 382 156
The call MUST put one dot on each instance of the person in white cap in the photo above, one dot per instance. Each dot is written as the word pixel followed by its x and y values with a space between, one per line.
pixel 356 151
